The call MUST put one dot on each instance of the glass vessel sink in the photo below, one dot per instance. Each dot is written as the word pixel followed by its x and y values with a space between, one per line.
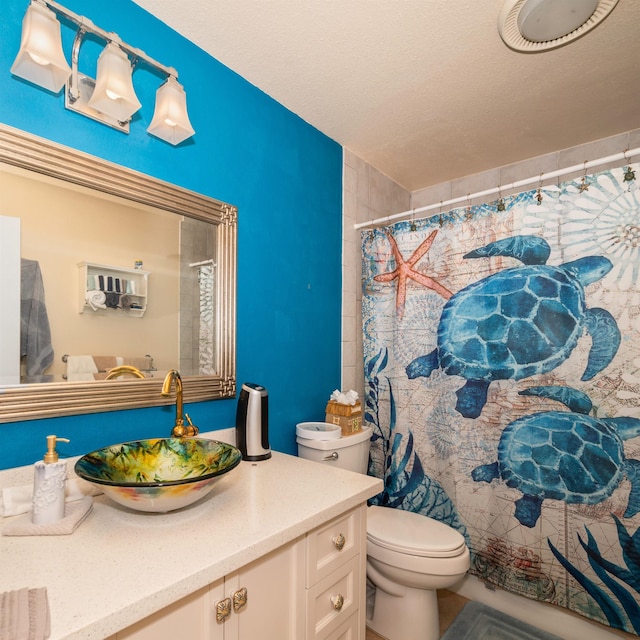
pixel 161 474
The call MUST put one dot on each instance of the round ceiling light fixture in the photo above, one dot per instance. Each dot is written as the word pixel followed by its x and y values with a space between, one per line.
pixel 539 25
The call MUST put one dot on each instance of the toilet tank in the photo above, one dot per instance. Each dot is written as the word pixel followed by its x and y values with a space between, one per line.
pixel 348 452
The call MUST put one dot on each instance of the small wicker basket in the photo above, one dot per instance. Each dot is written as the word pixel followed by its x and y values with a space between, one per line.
pixel 347 416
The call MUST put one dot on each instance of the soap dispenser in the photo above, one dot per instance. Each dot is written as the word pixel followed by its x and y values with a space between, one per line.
pixel 50 476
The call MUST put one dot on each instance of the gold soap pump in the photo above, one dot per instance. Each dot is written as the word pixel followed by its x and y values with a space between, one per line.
pixel 52 454
pixel 49 480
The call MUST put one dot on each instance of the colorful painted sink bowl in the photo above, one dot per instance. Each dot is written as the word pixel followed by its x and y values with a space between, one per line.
pixel 161 474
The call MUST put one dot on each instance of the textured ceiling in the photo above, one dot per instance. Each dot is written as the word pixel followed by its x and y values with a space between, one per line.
pixel 424 90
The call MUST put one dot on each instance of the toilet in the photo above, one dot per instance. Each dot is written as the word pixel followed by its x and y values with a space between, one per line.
pixel 409 555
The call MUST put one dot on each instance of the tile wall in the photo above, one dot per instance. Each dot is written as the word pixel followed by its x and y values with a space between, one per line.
pixel 197 243
pixel 367 194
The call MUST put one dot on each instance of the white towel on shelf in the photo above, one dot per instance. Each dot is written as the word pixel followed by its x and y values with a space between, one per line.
pixel 81 368
pixel 96 299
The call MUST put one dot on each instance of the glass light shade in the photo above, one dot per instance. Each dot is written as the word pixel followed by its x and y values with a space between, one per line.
pixel 170 119
pixel 544 20
pixel 113 93
pixel 40 59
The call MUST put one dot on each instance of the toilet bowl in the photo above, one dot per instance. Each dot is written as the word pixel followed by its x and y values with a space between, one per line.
pixel 409 555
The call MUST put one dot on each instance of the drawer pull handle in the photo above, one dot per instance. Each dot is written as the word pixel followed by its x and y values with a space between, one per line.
pixel 223 610
pixel 338 602
pixel 239 599
pixel 339 541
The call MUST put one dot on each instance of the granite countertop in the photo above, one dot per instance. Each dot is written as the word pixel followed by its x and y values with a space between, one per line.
pixel 120 566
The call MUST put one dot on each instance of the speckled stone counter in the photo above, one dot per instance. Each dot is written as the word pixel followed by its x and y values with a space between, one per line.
pixel 120 566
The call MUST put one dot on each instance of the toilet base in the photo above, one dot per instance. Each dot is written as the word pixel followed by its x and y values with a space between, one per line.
pixel 411 616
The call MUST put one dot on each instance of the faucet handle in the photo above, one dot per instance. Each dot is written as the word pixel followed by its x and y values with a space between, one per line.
pixel 182 431
pixel 190 430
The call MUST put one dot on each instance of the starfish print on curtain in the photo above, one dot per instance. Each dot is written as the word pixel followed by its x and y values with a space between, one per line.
pixel 405 270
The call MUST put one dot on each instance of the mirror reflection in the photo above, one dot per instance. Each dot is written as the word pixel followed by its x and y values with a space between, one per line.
pixel 105 282
pixel 103 286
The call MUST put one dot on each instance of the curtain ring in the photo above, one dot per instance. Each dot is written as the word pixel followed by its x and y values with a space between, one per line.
pixel 500 206
pixel 539 195
pixel 584 183
pixel 629 173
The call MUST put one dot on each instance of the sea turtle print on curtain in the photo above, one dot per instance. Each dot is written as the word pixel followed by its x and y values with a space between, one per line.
pixel 562 455
pixel 511 385
pixel 519 322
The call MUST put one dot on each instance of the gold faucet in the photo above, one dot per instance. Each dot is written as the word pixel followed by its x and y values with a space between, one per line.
pixel 179 429
pixel 124 369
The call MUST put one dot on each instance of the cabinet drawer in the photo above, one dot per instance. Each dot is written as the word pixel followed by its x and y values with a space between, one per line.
pixel 333 600
pixel 331 545
pixel 348 630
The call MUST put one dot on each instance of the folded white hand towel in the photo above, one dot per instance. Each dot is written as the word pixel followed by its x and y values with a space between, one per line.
pixel 17 500
pixel 81 364
pixel 81 377
pixel 74 515
pixel 81 368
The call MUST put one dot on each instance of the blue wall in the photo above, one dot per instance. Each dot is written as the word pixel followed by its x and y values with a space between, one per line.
pixel 284 176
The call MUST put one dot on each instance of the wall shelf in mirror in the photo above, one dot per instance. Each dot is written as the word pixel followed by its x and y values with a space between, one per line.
pixel 192 227
pixel 105 289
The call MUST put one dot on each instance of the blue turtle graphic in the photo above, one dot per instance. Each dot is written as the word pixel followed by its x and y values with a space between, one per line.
pixel 564 455
pixel 519 322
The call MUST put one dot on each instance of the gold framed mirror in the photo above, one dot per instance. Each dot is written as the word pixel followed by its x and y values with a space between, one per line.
pixel 25 156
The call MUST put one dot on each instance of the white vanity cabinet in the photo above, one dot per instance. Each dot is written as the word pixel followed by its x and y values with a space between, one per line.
pixel 312 588
pixel 291 531
pixel 265 599
pixel 187 618
pixel 336 555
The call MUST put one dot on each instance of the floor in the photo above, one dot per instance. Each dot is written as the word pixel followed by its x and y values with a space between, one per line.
pixel 449 605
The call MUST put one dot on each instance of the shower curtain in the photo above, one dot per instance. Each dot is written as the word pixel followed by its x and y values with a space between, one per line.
pixel 502 382
pixel 205 338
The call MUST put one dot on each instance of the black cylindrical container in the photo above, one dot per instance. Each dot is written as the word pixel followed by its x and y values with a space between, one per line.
pixel 252 422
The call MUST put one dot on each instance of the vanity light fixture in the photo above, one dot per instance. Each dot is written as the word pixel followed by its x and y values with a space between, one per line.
pixel 170 121
pixel 113 93
pixel 41 59
pixel 110 98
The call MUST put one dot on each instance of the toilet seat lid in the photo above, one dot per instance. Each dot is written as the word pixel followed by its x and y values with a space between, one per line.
pixel 412 533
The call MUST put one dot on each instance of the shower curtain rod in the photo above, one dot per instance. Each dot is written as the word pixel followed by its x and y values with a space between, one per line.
pixel 505 187
pixel 201 263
